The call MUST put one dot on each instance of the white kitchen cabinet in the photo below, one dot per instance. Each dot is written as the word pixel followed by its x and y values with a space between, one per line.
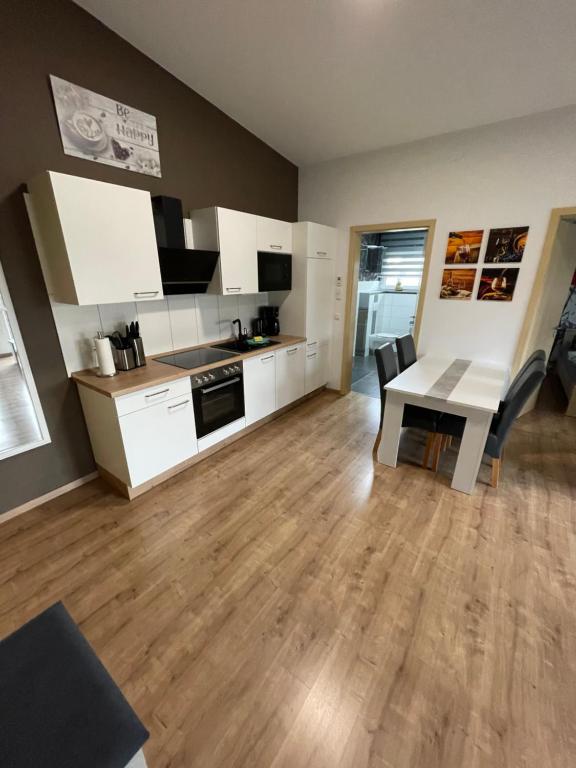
pixel 317 354
pixel 313 378
pixel 96 241
pixel 290 368
pixel 139 436
pixel 233 233
pixel 259 387
pixel 308 309
pixel 144 398
pixel 273 235
pixel 158 438
pixel 319 299
pixel 315 240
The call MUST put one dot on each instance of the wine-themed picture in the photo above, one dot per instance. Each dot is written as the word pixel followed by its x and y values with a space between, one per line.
pixel 457 283
pixel 97 128
pixel 464 246
pixel 497 284
pixel 506 246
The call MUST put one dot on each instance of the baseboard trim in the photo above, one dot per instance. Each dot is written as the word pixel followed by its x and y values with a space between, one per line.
pixel 12 513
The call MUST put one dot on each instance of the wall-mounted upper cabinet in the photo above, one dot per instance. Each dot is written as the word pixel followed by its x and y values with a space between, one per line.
pixel 314 240
pixel 233 233
pixel 96 241
pixel 273 235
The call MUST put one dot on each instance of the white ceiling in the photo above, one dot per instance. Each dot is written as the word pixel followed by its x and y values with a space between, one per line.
pixel 318 79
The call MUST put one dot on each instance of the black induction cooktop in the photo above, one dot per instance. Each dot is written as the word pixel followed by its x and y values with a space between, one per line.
pixel 196 358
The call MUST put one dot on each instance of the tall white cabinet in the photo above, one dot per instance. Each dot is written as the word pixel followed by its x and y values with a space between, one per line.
pixel 307 310
pixel 96 241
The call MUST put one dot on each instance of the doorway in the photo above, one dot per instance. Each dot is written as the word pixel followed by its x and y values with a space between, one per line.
pixel 387 275
pixel 550 322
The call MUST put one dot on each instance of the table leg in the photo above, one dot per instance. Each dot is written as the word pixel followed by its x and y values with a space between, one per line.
pixel 471 451
pixel 391 429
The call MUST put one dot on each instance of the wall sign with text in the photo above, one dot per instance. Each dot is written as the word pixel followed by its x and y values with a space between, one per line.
pixel 97 128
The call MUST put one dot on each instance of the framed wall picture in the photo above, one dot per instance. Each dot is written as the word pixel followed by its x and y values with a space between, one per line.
pixel 497 284
pixel 464 246
pixel 103 130
pixel 506 246
pixel 457 284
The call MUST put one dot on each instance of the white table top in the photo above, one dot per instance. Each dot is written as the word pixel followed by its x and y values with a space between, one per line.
pixel 471 384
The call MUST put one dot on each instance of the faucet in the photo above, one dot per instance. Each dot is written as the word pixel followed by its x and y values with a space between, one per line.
pixel 240 334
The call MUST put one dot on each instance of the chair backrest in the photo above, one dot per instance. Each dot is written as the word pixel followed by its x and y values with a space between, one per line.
pixel 531 379
pixel 406 351
pixel 535 357
pixel 387 370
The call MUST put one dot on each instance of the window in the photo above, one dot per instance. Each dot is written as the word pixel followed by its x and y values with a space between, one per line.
pixel 392 256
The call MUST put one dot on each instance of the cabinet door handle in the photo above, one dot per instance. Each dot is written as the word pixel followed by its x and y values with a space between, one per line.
pixel 312 355
pixel 146 293
pixel 178 405
pixel 220 386
pixel 292 351
pixel 233 290
pixel 157 394
pixel 276 247
pixel 311 343
pixel 265 359
pixel 321 253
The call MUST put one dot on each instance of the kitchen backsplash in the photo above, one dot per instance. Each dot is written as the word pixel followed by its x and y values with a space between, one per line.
pixel 171 323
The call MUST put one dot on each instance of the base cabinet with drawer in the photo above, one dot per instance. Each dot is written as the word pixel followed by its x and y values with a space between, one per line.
pixel 139 436
pixel 158 438
pixel 273 381
pixel 316 365
pixel 259 387
pixel 290 370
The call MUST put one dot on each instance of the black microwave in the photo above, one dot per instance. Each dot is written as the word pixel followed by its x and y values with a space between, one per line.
pixel 274 271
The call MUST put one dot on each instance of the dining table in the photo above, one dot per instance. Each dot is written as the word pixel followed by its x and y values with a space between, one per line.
pixel 469 388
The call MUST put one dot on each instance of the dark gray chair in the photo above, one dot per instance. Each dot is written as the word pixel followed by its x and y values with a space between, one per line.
pixel 525 383
pixel 406 350
pixel 539 355
pixel 414 416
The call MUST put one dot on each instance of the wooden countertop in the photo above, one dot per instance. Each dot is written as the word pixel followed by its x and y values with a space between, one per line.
pixel 154 373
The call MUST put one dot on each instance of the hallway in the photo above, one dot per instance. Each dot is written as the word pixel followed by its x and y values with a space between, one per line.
pixel 365 376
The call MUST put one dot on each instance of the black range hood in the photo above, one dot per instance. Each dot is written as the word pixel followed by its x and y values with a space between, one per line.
pixel 183 270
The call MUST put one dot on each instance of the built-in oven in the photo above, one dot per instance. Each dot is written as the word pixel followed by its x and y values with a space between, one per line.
pixel 274 271
pixel 218 397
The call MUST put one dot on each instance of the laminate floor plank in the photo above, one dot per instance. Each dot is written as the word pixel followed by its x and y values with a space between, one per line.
pixel 289 603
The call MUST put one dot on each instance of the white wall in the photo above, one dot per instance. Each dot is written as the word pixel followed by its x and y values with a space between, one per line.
pixel 172 323
pixel 504 175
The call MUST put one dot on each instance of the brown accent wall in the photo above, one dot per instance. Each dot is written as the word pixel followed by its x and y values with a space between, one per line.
pixel 207 159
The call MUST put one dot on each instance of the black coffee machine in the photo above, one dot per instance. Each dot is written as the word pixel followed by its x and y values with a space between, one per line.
pixel 270 322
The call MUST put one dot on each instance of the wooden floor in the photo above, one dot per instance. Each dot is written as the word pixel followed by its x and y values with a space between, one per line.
pixel 288 603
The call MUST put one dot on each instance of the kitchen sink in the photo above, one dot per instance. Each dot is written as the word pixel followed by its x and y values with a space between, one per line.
pixel 242 346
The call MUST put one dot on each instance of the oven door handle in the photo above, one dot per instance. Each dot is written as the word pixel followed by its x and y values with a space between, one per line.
pixel 220 386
